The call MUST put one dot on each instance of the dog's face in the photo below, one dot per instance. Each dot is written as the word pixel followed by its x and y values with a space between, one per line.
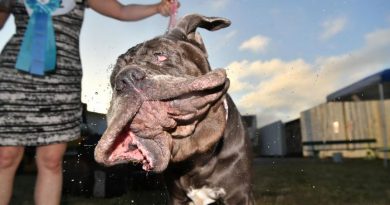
pixel 166 101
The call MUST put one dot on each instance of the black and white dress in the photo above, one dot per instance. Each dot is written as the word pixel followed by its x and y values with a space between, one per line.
pixel 44 110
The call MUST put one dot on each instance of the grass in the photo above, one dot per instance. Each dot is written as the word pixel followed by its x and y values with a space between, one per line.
pixel 321 182
pixel 277 181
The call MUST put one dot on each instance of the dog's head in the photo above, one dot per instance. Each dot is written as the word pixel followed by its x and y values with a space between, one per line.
pixel 166 101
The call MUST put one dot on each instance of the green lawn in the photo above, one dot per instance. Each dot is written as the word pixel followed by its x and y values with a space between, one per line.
pixel 321 182
pixel 277 181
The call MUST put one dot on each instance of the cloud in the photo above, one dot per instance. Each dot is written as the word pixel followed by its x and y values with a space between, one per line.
pixel 279 90
pixel 332 27
pixel 372 57
pixel 219 4
pixel 229 36
pixel 256 44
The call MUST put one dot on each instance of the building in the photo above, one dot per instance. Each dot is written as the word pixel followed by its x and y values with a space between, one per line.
pixel 250 123
pixel 280 139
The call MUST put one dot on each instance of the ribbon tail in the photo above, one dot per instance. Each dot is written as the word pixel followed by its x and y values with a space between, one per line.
pixel 24 56
pixel 39 45
pixel 51 51
pixel 38 50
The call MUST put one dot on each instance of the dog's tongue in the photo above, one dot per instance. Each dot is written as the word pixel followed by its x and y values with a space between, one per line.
pixel 126 149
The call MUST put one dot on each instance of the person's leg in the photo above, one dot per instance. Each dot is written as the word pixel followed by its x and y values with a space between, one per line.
pixel 10 157
pixel 49 181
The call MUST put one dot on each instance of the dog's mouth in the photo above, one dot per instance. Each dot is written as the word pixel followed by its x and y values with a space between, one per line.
pixel 127 148
pixel 123 142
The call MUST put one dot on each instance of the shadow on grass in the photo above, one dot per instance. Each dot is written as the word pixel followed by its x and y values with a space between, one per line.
pixel 24 187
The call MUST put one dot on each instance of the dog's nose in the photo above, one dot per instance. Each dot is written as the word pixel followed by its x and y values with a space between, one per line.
pixel 137 74
pixel 128 78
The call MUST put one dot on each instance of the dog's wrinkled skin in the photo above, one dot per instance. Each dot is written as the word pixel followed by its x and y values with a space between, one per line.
pixel 170 112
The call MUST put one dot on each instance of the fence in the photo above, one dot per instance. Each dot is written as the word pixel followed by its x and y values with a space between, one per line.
pixel 346 126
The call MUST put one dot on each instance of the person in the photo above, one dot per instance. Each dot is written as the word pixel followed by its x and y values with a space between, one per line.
pixel 44 110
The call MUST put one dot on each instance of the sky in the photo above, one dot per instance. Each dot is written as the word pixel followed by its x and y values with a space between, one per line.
pixel 282 57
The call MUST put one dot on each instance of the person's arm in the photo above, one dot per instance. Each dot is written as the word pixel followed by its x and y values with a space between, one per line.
pixel 3 18
pixel 130 12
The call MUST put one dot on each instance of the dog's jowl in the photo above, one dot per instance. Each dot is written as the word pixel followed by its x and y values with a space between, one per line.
pixel 171 112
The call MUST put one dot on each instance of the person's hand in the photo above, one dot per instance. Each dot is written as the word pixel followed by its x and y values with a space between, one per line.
pixel 164 7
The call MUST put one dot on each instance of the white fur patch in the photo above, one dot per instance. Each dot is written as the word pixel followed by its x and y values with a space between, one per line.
pixel 225 105
pixel 205 195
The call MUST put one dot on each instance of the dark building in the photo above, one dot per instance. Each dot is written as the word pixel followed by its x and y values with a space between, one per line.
pixel 293 138
pixel 250 124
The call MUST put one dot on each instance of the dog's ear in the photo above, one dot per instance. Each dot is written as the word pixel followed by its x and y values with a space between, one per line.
pixel 186 28
pixel 190 23
pixel 196 39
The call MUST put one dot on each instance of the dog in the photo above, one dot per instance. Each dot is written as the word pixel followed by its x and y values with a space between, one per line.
pixel 171 113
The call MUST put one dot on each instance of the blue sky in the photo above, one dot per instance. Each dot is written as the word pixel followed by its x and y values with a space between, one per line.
pixel 282 57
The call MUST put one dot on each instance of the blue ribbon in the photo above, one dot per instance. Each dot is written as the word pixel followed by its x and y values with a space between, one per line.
pixel 37 54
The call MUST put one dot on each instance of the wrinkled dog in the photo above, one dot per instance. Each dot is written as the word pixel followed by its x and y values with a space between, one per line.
pixel 170 112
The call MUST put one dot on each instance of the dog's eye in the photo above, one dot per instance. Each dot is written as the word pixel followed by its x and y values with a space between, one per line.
pixel 160 56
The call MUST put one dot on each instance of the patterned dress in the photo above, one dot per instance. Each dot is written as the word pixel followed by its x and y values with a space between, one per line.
pixel 38 110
